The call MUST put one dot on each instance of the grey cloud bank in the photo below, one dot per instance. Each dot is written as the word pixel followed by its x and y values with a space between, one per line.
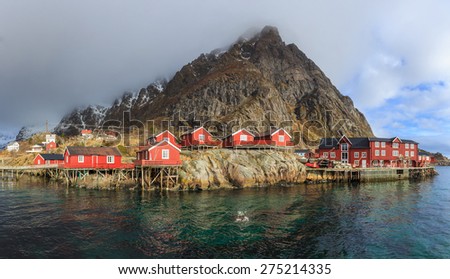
pixel 58 54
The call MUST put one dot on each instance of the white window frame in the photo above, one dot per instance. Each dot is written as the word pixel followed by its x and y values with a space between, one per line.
pixel 383 152
pixel 201 137
pixel 281 138
pixel 377 152
pixel 412 154
pixel 80 158
pixel 110 159
pixel 363 154
pixel 356 163
pixel 243 138
pixel 165 139
pixel 344 145
pixel 356 154
pixel 344 154
pixel 395 145
pixel 325 155
pixel 406 145
pixel 395 153
pixel 165 154
pixel 406 153
pixel 383 144
pixel 377 144
pixel 332 155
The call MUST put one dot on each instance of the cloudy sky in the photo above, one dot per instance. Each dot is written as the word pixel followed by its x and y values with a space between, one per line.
pixel 391 57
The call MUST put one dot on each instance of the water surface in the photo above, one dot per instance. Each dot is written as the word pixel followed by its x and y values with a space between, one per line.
pixel 400 219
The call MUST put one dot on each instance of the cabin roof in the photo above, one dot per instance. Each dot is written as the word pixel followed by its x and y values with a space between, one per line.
pixel 195 130
pixel 156 135
pixel 59 157
pixel 162 142
pixel 101 151
pixel 271 132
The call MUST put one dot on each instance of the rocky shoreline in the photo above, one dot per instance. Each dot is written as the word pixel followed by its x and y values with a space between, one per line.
pixel 225 168
pixel 235 169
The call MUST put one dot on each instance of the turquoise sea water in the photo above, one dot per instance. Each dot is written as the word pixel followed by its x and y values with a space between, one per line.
pixel 379 220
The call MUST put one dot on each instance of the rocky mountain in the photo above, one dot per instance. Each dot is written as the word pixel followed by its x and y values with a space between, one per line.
pixel 256 83
pixel 4 140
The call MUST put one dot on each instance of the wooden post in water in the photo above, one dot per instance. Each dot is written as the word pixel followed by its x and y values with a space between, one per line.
pixel 142 178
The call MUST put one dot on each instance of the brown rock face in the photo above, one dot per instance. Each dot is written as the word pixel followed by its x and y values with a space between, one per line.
pixel 255 84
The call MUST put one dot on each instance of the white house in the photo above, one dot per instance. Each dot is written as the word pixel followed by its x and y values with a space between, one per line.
pixel 50 138
pixel 13 146
pixel 36 148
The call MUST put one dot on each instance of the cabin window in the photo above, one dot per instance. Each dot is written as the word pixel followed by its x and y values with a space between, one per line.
pixel 332 155
pixel 325 154
pixel 412 153
pixel 395 153
pixel 364 155
pixel 344 147
pixel 80 159
pixel 110 159
pixel 383 152
pixel 406 145
pixel 243 137
pixel 383 144
pixel 395 145
pixel 377 144
pixel 377 152
pixel 356 154
pixel 281 138
pixel 201 137
pixel 165 153
pixel 165 139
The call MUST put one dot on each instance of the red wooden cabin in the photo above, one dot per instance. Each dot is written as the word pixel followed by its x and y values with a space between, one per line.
pixel 241 137
pixel 370 152
pixel 81 157
pixel 50 146
pixel 163 136
pixel 49 159
pixel 274 137
pixel 199 137
pixel 163 153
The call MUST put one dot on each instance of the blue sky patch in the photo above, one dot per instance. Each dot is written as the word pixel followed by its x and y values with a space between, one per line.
pixel 425 86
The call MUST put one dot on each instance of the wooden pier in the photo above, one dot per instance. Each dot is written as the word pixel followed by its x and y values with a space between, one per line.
pixel 366 174
pixel 162 176
pixel 333 175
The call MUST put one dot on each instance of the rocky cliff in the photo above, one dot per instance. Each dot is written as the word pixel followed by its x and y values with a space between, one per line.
pixel 256 83
pixel 224 168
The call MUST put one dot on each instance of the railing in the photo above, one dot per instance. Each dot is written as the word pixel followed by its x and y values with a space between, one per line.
pixel 157 163
pixel 212 143
pixel 261 142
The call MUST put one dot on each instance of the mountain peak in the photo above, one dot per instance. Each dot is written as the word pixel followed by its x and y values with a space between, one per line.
pixel 257 83
pixel 270 32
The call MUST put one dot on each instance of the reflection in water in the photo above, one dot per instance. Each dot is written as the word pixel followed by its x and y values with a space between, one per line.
pixel 379 220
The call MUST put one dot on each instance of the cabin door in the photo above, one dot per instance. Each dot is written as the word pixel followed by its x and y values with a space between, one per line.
pixel 363 163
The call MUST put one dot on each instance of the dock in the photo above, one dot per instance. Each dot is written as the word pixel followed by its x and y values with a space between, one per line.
pixel 366 174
